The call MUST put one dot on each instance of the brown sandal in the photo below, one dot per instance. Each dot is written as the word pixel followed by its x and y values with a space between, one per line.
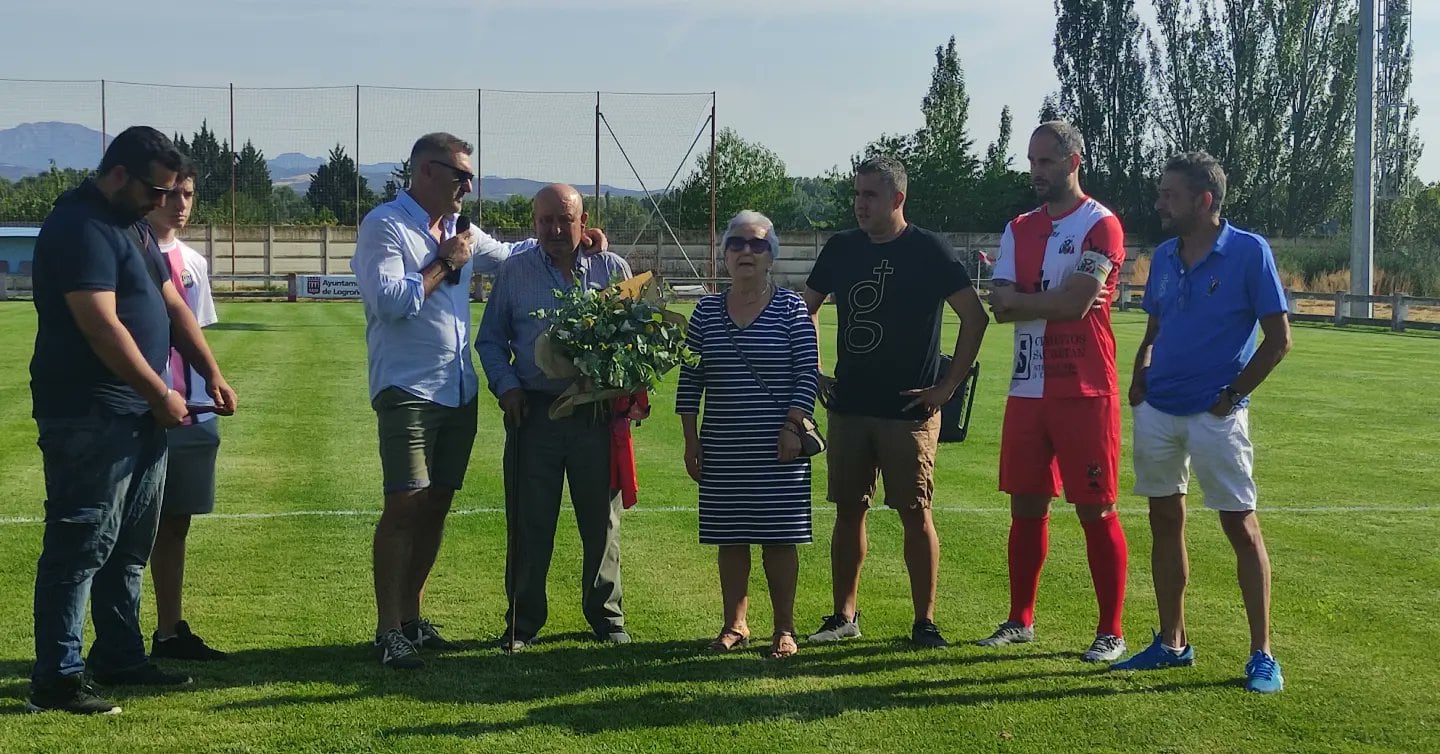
pixel 782 645
pixel 729 640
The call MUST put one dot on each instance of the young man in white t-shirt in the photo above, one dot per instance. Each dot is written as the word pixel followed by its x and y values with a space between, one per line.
pixel 190 470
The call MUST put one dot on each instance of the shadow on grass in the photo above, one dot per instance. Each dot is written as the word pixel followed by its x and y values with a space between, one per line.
pixel 562 665
pixel 648 684
pixel 679 708
pixel 644 684
pixel 14 685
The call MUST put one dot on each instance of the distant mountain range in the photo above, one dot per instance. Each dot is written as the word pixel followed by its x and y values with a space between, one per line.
pixel 29 148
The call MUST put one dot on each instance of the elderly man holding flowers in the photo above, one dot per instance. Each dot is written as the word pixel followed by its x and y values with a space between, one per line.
pixel 541 447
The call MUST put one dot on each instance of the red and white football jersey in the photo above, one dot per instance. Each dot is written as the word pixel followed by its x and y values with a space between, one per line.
pixel 1056 359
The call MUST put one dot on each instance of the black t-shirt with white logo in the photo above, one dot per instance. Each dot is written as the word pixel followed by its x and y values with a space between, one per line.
pixel 85 245
pixel 890 298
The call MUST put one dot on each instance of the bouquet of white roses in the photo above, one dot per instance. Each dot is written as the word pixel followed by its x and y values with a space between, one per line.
pixel 614 341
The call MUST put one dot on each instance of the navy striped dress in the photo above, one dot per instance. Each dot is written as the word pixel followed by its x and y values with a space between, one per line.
pixel 747 496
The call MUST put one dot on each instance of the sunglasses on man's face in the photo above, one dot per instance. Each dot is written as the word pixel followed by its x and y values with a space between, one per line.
pixel 156 192
pixel 460 175
pixel 755 245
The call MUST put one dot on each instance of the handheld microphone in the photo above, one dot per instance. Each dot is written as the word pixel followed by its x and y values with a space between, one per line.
pixel 462 224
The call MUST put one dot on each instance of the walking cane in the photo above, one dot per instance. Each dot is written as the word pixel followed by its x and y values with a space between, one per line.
pixel 512 526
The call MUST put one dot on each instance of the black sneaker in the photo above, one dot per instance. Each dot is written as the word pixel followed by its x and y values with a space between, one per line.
pixel 423 635
pixel 926 634
pixel 70 694
pixel 183 646
pixel 397 652
pixel 148 674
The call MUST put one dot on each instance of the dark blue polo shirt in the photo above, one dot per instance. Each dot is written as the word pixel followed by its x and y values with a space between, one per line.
pixel 85 245
pixel 1209 318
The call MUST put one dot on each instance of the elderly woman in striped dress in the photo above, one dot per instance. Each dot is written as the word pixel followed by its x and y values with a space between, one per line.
pixel 757 376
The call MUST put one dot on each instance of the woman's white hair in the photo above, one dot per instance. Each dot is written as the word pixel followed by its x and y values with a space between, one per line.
pixel 748 218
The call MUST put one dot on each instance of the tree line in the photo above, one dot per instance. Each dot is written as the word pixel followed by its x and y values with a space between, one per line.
pixel 1266 86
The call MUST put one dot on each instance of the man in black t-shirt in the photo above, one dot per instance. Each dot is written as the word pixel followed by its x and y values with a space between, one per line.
pixel 890 281
pixel 108 314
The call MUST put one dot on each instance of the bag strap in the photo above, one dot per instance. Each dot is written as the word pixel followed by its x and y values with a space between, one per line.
pixel 141 235
pixel 730 333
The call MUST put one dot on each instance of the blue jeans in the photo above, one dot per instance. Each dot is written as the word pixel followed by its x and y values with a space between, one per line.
pixel 104 474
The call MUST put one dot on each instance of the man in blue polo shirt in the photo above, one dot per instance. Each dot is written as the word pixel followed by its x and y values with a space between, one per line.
pixel 107 317
pixel 1210 290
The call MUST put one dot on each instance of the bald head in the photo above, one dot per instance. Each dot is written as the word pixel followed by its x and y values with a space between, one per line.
pixel 560 193
pixel 560 218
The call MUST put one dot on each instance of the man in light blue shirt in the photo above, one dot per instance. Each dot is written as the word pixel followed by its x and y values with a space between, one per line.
pixel 414 273
pixel 540 452
pixel 1211 289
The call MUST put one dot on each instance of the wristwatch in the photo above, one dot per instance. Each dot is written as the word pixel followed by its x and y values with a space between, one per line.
pixel 1232 395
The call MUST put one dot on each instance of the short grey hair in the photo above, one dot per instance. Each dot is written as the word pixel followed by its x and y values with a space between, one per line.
pixel 749 217
pixel 1202 172
pixel 438 143
pixel 1067 137
pixel 887 167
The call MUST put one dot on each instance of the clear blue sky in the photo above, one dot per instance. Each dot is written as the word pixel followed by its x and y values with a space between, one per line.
pixel 812 79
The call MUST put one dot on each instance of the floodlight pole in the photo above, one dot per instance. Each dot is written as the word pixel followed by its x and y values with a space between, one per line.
pixel 595 221
pixel 714 171
pixel 1362 217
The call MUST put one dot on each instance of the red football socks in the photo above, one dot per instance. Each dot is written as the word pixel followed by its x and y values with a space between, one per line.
pixel 1109 559
pixel 1029 544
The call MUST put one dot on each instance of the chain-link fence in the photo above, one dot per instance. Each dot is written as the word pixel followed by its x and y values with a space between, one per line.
pixel 270 158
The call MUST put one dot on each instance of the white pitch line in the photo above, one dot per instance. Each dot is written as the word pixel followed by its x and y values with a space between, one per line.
pixel 819 508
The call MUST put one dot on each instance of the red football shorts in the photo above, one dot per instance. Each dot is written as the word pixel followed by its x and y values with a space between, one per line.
pixel 1052 443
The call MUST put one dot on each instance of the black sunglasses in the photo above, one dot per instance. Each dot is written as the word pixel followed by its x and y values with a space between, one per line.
pixel 156 192
pixel 460 175
pixel 756 245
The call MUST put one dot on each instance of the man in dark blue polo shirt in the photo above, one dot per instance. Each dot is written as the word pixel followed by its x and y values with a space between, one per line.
pixel 107 317
pixel 1210 290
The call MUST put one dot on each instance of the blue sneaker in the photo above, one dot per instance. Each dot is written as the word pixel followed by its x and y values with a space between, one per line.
pixel 1157 657
pixel 1262 674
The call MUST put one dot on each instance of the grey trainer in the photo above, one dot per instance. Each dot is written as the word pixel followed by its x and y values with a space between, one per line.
pixel 837 627
pixel 1105 648
pixel 1008 632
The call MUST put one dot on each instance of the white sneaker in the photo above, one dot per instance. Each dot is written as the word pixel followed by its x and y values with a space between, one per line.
pixel 1105 648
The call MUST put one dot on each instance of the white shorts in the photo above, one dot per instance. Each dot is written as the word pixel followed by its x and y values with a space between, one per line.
pixel 1224 460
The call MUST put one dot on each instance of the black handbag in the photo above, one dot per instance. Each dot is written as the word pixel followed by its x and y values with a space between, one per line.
pixel 812 443
pixel 955 414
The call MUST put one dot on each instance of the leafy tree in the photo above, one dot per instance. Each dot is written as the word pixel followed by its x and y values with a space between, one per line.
pixel 399 179
pixel 336 186
pixel 1104 93
pixel 252 175
pixel 213 161
pixel 749 176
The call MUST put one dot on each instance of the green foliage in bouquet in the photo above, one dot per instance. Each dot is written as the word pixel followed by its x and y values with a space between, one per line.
pixel 614 341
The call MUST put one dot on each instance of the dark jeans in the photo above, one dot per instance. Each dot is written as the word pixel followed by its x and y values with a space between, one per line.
pixel 539 455
pixel 103 479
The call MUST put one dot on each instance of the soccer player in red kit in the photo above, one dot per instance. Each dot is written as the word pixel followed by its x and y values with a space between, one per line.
pixel 1055 278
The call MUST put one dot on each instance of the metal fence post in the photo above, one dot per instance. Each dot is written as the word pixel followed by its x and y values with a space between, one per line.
pixel 1399 312
pixel 1340 308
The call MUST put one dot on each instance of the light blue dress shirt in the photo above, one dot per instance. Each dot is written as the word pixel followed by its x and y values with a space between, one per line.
pixel 527 282
pixel 419 343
